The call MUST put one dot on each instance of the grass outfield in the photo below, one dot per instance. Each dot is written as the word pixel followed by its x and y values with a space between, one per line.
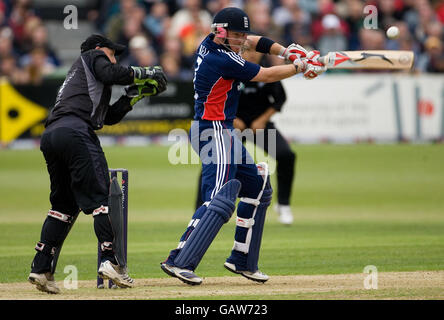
pixel 354 205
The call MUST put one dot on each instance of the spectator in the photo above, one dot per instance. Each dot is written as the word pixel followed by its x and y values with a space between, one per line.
pixel 332 36
pixel 191 26
pixel 116 22
pixel 173 28
pixel 132 25
pixel 434 29
pixel 39 38
pixel 10 70
pixel 101 13
pixel 191 14
pixel 405 40
pixel 370 39
pixel 311 7
pixel 8 66
pixel 354 19
pixel 440 10
pixel 29 26
pixel 21 12
pixel 173 47
pixel 432 60
pixel 2 13
pixel 426 16
pixel 324 7
pixel 260 19
pixel 389 11
pixel 140 52
pixel 157 22
pixel 283 14
pixel 37 64
pixel 171 66
pixel 418 17
pixel 214 6
pixel 6 43
pixel 299 30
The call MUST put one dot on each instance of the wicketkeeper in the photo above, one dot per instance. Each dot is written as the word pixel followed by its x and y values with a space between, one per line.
pixel 77 166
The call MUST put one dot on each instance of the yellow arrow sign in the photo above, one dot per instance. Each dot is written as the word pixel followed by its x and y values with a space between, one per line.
pixel 17 113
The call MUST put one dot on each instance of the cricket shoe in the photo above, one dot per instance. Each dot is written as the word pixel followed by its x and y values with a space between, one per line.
pixel 183 275
pixel 117 274
pixel 257 276
pixel 44 282
pixel 285 214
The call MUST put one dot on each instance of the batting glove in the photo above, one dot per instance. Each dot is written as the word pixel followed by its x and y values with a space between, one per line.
pixel 293 52
pixel 313 67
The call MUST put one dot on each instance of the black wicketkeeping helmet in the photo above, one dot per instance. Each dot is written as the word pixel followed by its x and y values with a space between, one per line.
pixel 97 40
pixel 233 19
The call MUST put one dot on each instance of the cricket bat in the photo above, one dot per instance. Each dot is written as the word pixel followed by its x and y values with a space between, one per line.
pixel 368 59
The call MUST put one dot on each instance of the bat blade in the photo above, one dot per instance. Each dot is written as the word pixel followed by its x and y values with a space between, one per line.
pixel 369 59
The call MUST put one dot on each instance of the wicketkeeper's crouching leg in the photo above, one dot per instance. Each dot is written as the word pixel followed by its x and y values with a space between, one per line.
pixel 249 227
pixel 54 232
pixel 109 232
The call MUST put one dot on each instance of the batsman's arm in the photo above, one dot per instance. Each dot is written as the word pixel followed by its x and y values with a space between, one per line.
pixel 276 73
pixel 264 45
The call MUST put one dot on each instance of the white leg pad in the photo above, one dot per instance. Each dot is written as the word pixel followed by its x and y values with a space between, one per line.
pixel 249 223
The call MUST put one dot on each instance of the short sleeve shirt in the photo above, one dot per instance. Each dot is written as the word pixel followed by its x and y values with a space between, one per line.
pixel 217 80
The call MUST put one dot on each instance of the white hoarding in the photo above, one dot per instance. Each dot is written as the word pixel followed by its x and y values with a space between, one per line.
pixel 357 106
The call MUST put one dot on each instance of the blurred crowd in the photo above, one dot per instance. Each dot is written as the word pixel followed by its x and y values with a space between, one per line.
pixel 25 51
pixel 168 32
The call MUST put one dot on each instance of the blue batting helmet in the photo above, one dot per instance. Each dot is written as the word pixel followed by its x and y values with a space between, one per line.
pixel 233 19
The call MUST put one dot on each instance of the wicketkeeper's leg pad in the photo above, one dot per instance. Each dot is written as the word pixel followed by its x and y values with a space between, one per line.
pixel 54 232
pixel 218 213
pixel 250 224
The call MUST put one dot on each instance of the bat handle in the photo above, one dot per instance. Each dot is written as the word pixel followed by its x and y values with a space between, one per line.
pixel 323 60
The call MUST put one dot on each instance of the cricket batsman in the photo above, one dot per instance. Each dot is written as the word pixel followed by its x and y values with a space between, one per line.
pixel 76 164
pixel 228 171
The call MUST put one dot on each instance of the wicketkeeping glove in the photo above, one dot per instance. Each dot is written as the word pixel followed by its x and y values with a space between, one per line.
pixel 152 75
pixel 138 92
